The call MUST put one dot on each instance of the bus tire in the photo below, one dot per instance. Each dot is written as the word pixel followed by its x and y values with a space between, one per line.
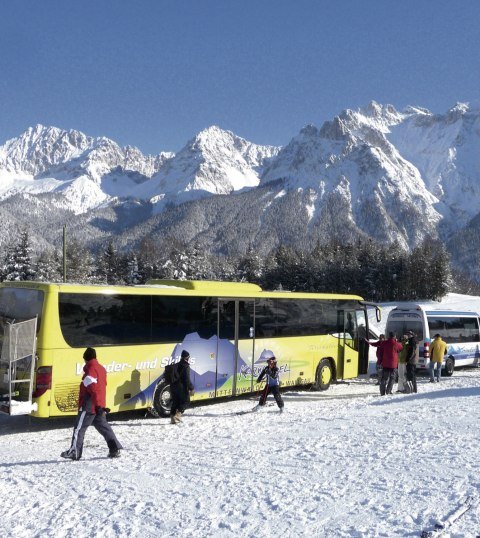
pixel 449 366
pixel 162 400
pixel 324 374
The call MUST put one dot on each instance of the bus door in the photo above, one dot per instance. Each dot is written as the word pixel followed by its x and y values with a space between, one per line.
pixel 17 364
pixel 235 347
pixel 348 343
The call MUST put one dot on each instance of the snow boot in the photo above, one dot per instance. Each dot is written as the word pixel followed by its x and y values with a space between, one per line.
pixel 69 455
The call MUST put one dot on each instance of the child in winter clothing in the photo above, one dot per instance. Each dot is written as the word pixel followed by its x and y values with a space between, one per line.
pixel 271 372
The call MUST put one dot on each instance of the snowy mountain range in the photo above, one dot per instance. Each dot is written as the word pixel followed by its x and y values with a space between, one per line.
pixel 374 172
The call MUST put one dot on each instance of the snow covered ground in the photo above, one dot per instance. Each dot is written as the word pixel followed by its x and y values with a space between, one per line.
pixel 342 463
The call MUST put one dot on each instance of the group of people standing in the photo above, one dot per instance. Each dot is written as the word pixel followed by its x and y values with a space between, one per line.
pixel 393 356
pixel 402 357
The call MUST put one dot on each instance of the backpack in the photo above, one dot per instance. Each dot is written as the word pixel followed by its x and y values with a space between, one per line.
pixel 171 374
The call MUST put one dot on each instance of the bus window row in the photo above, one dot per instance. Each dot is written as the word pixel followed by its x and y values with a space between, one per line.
pixel 95 320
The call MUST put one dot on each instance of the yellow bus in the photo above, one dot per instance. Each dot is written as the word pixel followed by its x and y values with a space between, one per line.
pixel 225 326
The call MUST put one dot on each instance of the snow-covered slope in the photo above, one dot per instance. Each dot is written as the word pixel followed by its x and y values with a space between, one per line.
pixel 88 171
pixel 446 151
pixel 375 172
pixel 383 194
pixel 214 162
pixel 345 463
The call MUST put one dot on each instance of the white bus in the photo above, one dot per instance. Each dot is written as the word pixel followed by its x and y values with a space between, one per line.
pixel 460 331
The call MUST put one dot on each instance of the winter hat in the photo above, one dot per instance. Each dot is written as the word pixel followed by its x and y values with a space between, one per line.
pixel 185 354
pixel 89 354
pixel 267 354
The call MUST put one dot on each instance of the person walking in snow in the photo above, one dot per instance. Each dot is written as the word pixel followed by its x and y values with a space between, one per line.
pixel 379 354
pixel 181 388
pixel 411 360
pixel 402 367
pixel 391 349
pixel 438 349
pixel 272 374
pixel 91 409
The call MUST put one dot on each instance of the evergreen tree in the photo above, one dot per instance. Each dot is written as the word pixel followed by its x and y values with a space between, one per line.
pixel 18 263
pixel 439 272
pixel 197 264
pixel 224 268
pixel 134 276
pixel 370 269
pixel 150 260
pixel 81 266
pixel 109 266
pixel 280 271
pixel 48 267
pixel 251 267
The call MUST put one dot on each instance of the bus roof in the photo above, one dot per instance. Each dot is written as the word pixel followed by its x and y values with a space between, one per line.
pixel 449 313
pixel 433 312
pixel 180 287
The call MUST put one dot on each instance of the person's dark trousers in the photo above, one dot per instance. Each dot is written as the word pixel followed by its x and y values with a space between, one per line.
pixel 275 390
pixel 388 378
pixel 412 376
pixel 179 402
pixel 99 421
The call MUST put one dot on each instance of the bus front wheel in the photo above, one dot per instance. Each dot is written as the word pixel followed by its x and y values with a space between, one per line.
pixel 162 400
pixel 324 374
pixel 449 365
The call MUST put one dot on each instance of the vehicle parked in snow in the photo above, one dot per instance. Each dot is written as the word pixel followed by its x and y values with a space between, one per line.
pixel 226 326
pixel 460 330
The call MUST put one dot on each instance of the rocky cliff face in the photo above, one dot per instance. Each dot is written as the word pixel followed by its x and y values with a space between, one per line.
pixel 373 172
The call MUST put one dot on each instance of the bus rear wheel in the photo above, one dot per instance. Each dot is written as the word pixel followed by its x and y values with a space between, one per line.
pixel 449 366
pixel 324 374
pixel 162 400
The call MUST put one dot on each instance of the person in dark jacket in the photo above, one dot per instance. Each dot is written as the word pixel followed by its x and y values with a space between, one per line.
pixel 271 373
pixel 391 349
pixel 411 361
pixel 91 409
pixel 181 389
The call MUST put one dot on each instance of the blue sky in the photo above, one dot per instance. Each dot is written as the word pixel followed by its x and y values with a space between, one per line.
pixel 153 73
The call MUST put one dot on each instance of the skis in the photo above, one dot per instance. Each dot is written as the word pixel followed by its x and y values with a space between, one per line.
pixel 442 526
pixel 254 409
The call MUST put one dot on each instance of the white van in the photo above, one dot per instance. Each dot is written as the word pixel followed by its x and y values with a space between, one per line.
pixel 459 330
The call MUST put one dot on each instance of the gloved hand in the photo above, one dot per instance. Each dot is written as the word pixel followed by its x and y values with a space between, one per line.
pixel 192 393
pixel 99 411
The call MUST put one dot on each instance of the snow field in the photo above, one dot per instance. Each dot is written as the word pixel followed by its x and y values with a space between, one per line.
pixel 343 463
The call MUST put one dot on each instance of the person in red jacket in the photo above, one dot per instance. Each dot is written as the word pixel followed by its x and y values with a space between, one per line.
pixel 390 350
pixel 91 409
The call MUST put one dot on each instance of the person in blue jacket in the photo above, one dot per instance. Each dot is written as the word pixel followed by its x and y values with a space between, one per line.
pixel 271 373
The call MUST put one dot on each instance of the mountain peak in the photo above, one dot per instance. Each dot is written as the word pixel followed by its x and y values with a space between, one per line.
pixel 410 109
pixel 335 129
